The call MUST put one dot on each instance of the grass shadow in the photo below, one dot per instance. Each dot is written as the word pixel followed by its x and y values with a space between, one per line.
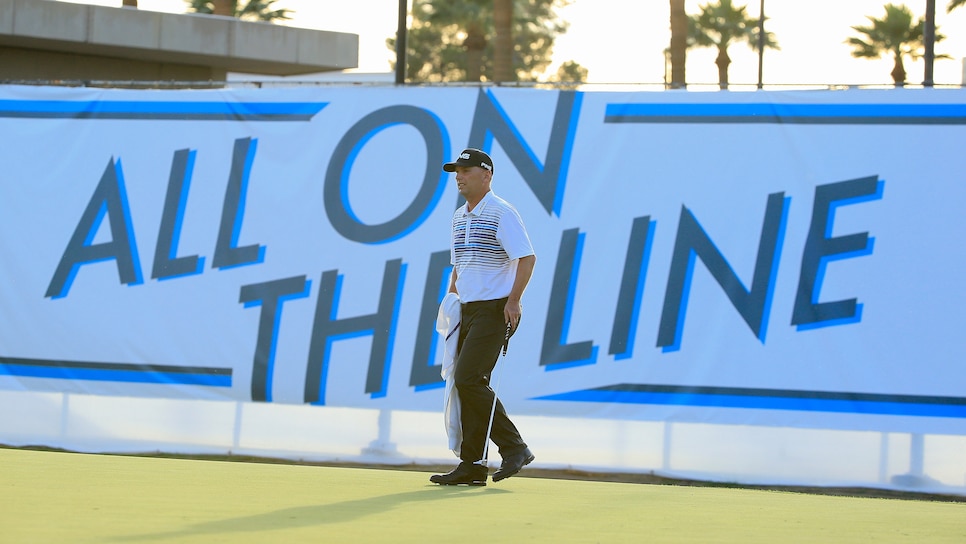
pixel 320 514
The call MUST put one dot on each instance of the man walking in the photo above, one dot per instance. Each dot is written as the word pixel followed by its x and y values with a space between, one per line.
pixel 492 262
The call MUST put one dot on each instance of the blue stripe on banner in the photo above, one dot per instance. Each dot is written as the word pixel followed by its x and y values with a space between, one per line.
pixel 116 372
pixel 832 114
pixel 770 399
pixel 174 111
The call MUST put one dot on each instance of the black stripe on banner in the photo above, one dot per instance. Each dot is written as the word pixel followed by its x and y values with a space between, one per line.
pixel 155 116
pixel 779 393
pixel 781 120
pixel 127 367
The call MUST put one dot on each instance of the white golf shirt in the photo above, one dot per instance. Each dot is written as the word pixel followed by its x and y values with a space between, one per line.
pixel 487 243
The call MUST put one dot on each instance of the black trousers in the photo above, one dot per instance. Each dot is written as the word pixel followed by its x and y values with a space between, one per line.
pixel 482 330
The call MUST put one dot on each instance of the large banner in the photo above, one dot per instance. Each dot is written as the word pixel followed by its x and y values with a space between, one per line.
pixel 790 258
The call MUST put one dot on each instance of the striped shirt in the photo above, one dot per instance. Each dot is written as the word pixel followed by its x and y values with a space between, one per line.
pixel 487 243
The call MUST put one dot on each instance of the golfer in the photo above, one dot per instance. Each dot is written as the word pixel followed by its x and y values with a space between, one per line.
pixel 492 262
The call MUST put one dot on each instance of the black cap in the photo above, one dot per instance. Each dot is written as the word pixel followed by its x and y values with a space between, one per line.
pixel 470 157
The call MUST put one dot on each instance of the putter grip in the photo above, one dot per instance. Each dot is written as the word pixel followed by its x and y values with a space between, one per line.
pixel 506 337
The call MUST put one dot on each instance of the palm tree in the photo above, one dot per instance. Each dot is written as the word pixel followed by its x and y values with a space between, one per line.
pixel 255 10
pixel 896 33
pixel 457 41
pixel 719 25
pixel 503 40
pixel 953 4
pixel 475 44
pixel 679 44
pixel 223 7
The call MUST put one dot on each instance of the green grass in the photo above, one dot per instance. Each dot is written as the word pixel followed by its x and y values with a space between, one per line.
pixel 83 498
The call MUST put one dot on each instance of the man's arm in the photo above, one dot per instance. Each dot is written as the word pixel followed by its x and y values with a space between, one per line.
pixel 513 309
pixel 452 282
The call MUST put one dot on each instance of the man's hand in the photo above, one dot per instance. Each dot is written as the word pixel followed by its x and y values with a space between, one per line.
pixel 512 312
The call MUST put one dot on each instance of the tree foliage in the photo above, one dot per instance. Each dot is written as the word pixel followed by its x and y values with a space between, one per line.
pixel 569 72
pixel 252 10
pixel 722 24
pixel 897 33
pixel 451 40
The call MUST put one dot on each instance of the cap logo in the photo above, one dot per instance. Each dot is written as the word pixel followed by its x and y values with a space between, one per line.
pixel 470 157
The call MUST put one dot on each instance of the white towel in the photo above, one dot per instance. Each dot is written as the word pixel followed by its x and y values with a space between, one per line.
pixel 448 326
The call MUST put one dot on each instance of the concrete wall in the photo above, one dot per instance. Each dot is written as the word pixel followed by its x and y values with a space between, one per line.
pixel 45 40
pixel 17 64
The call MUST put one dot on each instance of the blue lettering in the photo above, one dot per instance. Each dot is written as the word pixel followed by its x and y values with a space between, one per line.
pixel 821 248
pixel 326 329
pixel 166 263
pixel 270 295
pixel 555 354
pixel 227 253
pixel 752 304
pixel 547 178
pixel 109 200
pixel 632 288
pixel 425 374
pixel 337 205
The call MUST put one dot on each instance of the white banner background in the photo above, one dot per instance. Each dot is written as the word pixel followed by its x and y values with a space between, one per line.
pixel 581 168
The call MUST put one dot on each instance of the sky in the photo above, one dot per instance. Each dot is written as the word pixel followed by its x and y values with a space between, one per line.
pixel 623 41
